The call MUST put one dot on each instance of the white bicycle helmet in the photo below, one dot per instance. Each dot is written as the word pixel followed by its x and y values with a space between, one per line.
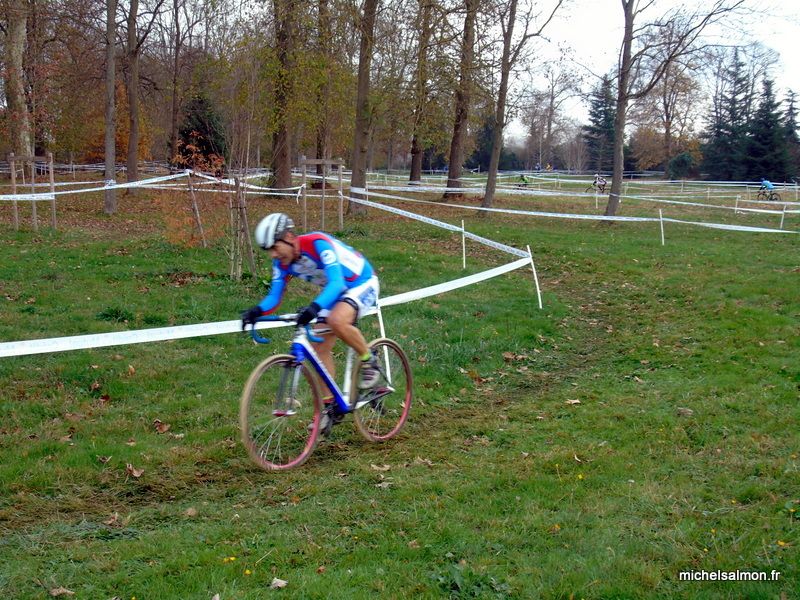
pixel 272 228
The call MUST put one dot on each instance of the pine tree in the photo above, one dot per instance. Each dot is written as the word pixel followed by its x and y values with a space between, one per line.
pixel 599 134
pixel 792 139
pixel 725 152
pixel 202 136
pixel 768 152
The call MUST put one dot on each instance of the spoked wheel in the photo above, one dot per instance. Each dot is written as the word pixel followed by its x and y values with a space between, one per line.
pixel 382 410
pixel 279 413
pixel 775 197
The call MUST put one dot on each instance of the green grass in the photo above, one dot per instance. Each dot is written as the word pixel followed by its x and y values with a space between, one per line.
pixel 497 488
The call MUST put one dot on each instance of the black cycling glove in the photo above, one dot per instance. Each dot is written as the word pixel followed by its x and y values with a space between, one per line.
pixel 308 313
pixel 250 316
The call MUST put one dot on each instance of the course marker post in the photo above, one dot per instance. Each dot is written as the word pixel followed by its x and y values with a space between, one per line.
pixel 535 278
pixel 736 211
pixel 661 221
pixel 464 245
pixel 783 216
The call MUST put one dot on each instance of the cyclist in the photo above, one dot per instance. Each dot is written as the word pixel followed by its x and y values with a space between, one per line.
pixel 348 281
pixel 523 180
pixel 599 182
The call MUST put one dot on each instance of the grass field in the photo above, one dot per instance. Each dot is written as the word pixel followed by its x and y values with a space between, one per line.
pixel 642 425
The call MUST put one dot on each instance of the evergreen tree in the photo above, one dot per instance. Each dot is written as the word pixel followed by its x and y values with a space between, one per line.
pixel 483 146
pixel 599 134
pixel 202 137
pixel 792 139
pixel 768 152
pixel 725 151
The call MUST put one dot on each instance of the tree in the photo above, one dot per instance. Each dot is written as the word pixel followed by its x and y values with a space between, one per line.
pixel 462 98
pixel 110 200
pixel 599 134
pixel 201 137
pixel 358 178
pixel 792 139
pixel 135 40
pixel 285 15
pixel 512 48
pixel 420 87
pixel 659 43
pixel 724 153
pixel 17 108
pixel 768 152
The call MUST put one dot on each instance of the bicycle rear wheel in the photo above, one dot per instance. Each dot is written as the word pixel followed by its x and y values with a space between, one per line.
pixel 382 410
pixel 775 197
pixel 279 413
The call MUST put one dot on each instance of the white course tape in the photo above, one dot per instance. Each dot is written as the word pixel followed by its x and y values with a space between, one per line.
pixel 28 197
pixel 160 334
pixel 571 216
pixel 442 224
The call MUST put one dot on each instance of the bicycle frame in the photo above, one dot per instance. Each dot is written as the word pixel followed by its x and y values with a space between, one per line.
pixel 303 350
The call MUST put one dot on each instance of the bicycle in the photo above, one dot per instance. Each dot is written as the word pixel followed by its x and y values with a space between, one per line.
pixel 601 188
pixel 768 195
pixel 281 408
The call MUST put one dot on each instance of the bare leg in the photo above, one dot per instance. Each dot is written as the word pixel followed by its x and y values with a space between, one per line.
pixel 340 320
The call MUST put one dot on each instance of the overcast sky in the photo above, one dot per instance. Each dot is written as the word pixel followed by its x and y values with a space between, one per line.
pixel 593 29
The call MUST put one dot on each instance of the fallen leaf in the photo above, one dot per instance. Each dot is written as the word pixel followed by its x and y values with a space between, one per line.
pixel 382 468
pixel 117 357
pixel 383 484
pixel 113 520
pixel 423 461
pixel 104 459
pixel 161 427
pixel 191 512
pixel 95 386
pixel 131 370
pixel 130 442
pixel 215 597
pixel 637 379
pixel 413 544
pixel 278 583
pixel 66 438
pixel 61 591
pixel 572 402
pixel 685 412
pixel 105 399
pixel 133 471
pixel 320 569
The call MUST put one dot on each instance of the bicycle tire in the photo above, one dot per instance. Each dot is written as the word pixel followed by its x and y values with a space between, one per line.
pixel 775 197
pixel 588 189
pixel 383 417
pixel 275 429
pixel 762 195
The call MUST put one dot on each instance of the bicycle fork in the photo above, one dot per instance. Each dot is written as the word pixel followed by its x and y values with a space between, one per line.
pixel 286 404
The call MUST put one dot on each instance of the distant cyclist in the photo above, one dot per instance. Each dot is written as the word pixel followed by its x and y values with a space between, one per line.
pixel 348 281
pixel 767 190
pixel 767 185
pixel 599 182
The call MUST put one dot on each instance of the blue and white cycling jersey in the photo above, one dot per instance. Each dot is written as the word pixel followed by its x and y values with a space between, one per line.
pixel 324 261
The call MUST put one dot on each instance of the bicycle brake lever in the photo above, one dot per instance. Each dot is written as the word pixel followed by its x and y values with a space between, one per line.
pixel 314 338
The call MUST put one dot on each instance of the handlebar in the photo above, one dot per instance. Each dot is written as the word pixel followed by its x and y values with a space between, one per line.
pixel 290 318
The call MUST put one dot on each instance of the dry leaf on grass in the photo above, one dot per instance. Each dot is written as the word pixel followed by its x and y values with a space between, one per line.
pixel 161 427
pixel 572 402
pixel 381 468
pixel 191 512
pixel 133 471
pixel 278 583
pixel 61 591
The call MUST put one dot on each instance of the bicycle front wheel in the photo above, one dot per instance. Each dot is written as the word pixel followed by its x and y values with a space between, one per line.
pixel 775 197
pixel 382 410
pixel 279 413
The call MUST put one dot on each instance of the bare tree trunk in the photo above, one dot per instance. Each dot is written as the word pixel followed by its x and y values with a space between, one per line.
pixel 16 37
pixel 462 99
pixel 110 198
pixel 173 121
pixel 500 109
pixel 133 95
pixel 420 91
pixel 623 83
pixel 362 129
pixel 323 128
pixel 281 140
